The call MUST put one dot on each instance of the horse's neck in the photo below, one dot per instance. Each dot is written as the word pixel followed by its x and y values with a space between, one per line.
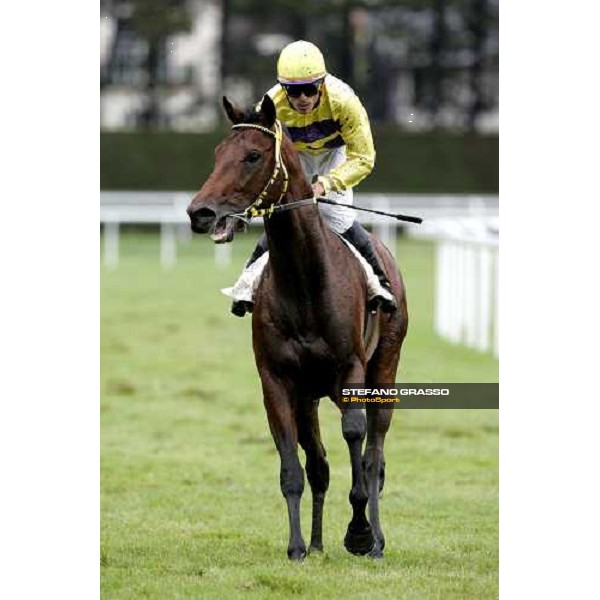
pixel 298 244
pixel 297 241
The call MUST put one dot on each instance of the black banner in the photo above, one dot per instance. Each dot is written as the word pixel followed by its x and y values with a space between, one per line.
pixel 421 395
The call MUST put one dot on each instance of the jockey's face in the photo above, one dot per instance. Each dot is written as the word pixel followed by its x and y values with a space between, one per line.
pixel 304 104
pixel 303 98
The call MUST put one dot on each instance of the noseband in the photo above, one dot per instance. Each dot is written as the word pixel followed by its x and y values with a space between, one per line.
pixel 253 209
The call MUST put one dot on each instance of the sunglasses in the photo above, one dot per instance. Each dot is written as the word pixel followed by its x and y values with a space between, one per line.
pixel 296 90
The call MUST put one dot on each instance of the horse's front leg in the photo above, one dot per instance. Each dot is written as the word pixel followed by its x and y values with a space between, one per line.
pixel 278 404
pixel 378 419
pixel 359 536
pixel 380 372
pixel 317 467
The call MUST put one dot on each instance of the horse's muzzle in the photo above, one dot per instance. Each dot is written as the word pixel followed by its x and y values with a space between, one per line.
pixel 202 219
pixel 220 227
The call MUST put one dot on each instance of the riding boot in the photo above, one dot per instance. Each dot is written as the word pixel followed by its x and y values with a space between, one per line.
pixel 240 307
pixel 359 238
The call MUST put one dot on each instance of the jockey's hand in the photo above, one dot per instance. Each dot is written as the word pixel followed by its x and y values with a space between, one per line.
pixel 318 189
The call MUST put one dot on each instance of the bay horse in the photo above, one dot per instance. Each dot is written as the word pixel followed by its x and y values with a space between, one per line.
pixel 308 323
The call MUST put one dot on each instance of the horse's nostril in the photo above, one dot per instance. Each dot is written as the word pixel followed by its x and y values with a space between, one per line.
pixel 204 213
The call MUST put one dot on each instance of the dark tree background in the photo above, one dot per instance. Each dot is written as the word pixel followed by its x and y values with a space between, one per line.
pixel 447 50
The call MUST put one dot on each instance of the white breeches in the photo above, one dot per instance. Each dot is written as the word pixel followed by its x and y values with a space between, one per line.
pixel 338 218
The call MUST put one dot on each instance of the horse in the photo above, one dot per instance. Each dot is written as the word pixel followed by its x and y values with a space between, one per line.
pixel 308 322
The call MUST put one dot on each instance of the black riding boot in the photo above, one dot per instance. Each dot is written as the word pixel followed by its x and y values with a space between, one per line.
pixel 240 307
pixel 359 238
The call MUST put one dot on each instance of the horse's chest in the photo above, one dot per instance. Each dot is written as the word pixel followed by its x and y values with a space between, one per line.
pixel 306 352
pixel 315 351
pixel 309 357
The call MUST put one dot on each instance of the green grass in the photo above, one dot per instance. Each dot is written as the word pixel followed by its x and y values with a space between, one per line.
pixel 191 506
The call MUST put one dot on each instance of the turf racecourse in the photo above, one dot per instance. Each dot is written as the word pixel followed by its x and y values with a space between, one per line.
pixel 190 500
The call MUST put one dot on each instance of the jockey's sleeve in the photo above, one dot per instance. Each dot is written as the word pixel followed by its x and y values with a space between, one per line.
pixel 360 150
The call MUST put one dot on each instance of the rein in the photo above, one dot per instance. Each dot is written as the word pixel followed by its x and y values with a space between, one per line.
pixel 251 212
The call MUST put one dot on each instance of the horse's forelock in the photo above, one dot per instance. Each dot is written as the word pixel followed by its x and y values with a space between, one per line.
pixel 252 116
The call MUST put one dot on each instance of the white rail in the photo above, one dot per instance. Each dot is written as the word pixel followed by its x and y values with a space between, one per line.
pixel 466 294
pixel 167 209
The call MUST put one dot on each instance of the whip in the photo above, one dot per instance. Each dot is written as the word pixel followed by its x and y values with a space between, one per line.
pixel 399 217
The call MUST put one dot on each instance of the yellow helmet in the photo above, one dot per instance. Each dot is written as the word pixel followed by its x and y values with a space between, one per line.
pixel 300 62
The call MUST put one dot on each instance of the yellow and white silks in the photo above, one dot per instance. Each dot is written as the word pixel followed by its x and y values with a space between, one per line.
pixel 334 142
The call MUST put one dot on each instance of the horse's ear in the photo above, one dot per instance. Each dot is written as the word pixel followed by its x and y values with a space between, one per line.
pixel 235 115
pixel 267 110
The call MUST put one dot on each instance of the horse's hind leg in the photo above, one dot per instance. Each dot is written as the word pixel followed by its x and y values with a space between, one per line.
pixel 285 434
pixel 317 467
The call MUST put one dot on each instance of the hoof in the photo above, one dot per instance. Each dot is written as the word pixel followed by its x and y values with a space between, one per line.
pixel 297 554
pixel 376 553
pixel 315 548
pixel 359 540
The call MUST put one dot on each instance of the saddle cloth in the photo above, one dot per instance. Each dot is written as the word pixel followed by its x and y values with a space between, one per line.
pixel 245 286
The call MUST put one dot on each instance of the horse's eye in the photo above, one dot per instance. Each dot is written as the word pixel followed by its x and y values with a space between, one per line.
pixel 252 157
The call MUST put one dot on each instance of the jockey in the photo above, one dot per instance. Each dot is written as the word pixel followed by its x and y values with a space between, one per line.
pixel 330 130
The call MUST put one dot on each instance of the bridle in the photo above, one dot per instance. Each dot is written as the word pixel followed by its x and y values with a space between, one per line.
pixel 254 209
